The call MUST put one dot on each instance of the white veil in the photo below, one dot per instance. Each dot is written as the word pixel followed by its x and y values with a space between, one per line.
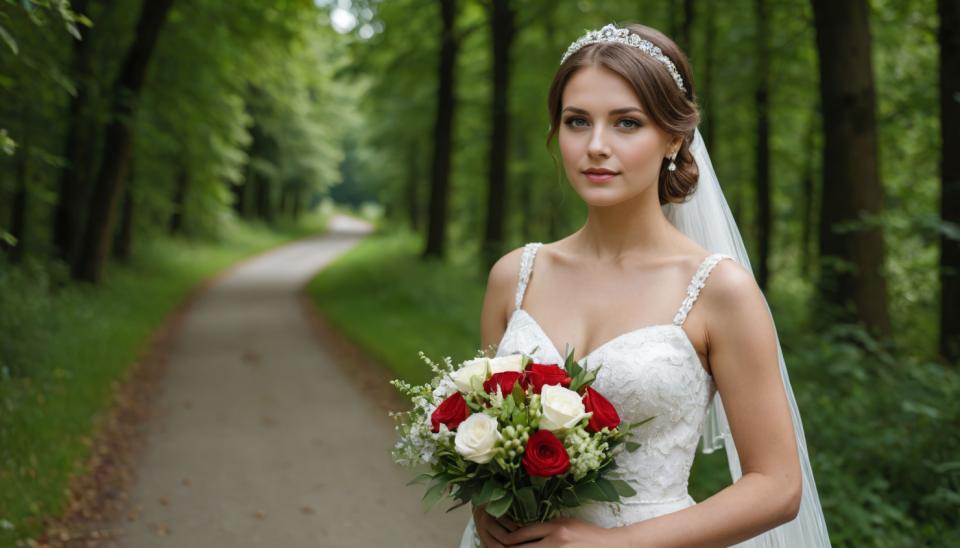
pixel 706 219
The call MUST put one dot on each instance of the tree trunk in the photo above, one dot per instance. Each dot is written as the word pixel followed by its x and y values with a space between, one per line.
pixel 442 135
pixel 239 194
pixel 123 244
pixel 502 34
pixel 686 27
pixel 18 217
pixel 949 38
pixel 413 186
pixel 77 149
pixel 179 201
pixel 851 285
pixel 298 204
pixel 264 205
pixel 525 197
pixel 809 189
pixel 762 97
pixel 709 116
pixel 108 188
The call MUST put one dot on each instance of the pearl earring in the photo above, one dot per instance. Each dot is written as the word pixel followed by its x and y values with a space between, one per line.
pixel 672 166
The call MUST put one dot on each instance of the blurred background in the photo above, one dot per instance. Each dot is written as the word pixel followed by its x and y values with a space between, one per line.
pixel 145 145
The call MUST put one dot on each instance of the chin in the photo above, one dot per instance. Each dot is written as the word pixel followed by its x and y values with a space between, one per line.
pixel 603 197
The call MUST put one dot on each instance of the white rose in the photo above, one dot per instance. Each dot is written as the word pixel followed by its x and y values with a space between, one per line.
pixel 476 367
pixel 562 408
pixel 477 437
pixel 513 362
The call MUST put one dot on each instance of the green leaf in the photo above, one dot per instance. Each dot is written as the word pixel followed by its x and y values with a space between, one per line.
pixel 518 394
pixel 499 507
pixel 8 38
pixel 632 446
pixel 433 495
pixel 528 502
pixel 623 488
pixel 420 478
pixel 608 489
pixel 482 496
pixel 590 491
pixel 569 498
pixel 498 493
pixel 538 482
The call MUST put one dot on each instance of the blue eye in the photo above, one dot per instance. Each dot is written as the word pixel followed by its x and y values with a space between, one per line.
pixel 573 121
pixel 635 123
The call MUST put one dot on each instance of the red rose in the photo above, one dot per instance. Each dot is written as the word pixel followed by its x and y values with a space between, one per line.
pixel 603 411
pixel 545 455
pixel 504 380
pixel 540 374
pixel 452 411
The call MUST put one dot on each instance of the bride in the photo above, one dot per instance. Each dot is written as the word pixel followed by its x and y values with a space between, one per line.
pixel 623 110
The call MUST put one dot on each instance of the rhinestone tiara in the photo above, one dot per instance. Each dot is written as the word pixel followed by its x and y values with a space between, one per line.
pixel 611 34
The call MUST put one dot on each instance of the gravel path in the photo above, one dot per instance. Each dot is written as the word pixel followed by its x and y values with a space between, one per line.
pixel 259 437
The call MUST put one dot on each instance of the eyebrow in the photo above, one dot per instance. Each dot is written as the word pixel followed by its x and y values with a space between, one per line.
pixel 623 110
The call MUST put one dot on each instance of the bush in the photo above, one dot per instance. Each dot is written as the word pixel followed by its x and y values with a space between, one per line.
pixel 882 428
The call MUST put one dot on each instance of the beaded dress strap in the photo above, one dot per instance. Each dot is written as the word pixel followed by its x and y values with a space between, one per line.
pixel 696 284
pixel 526 267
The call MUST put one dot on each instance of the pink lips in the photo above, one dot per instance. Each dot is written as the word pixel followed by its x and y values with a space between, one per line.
pixel 600 175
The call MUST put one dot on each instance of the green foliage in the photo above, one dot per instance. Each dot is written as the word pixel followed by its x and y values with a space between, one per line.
pixel 888 473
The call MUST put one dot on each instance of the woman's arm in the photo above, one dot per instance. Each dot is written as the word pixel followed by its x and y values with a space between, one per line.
pixel 742 352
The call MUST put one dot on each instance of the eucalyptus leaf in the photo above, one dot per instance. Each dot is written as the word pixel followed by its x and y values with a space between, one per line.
pixel 499 507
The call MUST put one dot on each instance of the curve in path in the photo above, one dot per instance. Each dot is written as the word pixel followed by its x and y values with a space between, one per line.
pixel 260 439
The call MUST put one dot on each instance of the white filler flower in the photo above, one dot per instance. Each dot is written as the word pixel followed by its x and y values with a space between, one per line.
pixel 476 367
pixel 477 438
pixel 513 362
pixel 562 408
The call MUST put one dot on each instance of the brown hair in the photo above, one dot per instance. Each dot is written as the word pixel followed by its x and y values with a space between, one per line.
pixel 671 109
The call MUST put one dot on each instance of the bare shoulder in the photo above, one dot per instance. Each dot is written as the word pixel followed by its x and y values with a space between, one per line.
pixel 505 272
pixel 735 308
pixel 498 298
pixel 729 283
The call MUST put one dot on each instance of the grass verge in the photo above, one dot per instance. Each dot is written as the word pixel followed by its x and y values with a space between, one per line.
pixel 63 348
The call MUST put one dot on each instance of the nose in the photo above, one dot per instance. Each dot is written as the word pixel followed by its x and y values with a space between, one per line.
pixel 598 145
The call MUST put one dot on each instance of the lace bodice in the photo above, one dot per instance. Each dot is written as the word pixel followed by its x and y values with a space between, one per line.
pixel 650 371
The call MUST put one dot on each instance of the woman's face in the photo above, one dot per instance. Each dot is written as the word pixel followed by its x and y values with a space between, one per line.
pixel 603 127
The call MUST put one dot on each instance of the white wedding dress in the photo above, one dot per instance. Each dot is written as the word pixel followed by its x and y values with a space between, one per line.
pixel 650 371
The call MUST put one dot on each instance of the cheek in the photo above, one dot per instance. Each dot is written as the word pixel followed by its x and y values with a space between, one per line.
pixel 568 146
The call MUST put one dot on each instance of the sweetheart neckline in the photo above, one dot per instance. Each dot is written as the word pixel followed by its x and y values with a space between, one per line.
pixel 684 336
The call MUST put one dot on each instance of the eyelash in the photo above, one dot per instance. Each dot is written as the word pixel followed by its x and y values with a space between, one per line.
pixel 570 122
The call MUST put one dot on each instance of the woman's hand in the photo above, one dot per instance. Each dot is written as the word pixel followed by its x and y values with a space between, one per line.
pixel 492 531
pixel 566 532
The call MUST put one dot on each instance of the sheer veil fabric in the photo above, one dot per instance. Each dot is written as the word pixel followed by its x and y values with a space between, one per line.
pixel 706 219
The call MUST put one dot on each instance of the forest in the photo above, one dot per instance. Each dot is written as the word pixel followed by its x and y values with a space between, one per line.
pixel 133 131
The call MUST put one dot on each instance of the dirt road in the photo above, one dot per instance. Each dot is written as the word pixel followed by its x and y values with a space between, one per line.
pixel 260 439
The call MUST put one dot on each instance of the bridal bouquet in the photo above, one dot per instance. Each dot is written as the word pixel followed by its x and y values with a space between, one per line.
pixel 523 439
